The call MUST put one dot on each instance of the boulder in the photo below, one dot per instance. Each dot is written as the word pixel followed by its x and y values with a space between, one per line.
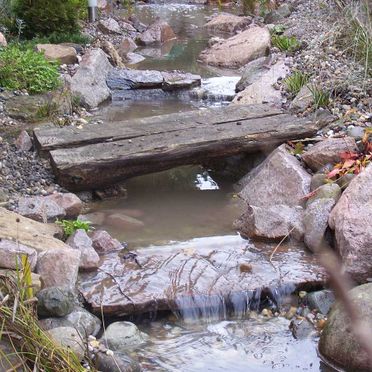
pixel 280 179
pixel 55 301
pixel 3 41
pixel 128 28
pixel 112 54
pixel 262 89
pixel 271 223
pixel 23 141
pixel 89 82
pixel 321 300
pixel 137 24
pixel 252 71
pixel 40 208
pixel 157 33
pixel 59 267
pixel 80 319
pixel 69 202
pixel 104 243
pixel 134 58
pixel 351 219
pixel 328 151
pixel 226 23
pixel 120 336
pixel 11 253
pixel 39 236
pixel 68 337
pixel 89 259
pixel 303 100
pixel 126 46
pixel 109 26
pixel 337 341
pixel 239 49
pixel 277 15
pixel 119 362
pixel 61 53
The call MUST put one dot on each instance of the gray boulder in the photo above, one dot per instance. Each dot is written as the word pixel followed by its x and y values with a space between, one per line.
pixel 303 100
pixel 122 335
pixel 11 253
pixel 68 337
pixel 58 267
pixel 337 341
pixel 119 362
pixel 157 33
pixel 104 243
pixel 134 79
pixel 40 209
pixel 351 219
pixel 89 259
pixel 328 151
pixel 55 301
pixel 69 202
pixel 109 26
pixel 252 71
pixel 89 82
pixel 280 179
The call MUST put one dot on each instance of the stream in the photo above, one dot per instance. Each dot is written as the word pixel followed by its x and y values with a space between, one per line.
pixel 187 207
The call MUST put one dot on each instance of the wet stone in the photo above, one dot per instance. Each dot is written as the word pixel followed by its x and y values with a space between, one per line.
pixel 321 300
pixel 119 362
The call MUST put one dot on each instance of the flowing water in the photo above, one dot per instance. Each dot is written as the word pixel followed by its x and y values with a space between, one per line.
pixel 177 206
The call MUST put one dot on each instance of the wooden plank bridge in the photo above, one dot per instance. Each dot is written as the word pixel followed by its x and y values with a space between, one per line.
pixel 99 155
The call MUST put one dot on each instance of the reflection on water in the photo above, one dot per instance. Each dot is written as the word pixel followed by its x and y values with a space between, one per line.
pixel 254 345
pixel 179 204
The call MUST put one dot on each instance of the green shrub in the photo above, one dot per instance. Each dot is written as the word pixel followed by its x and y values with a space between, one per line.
pixel 69 227
pixel 285 43
pixel 320 96
pixel 43 17
pixel 27 69
pixel 295 82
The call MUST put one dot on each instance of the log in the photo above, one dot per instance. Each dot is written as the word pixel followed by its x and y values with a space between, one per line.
pixel 98 157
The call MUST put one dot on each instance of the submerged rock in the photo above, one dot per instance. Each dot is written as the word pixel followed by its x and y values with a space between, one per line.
pixel 119 362
pixel 351 219
pixel 337 341
pixel 197 278
pixel 321 300
pixel 120 336
pixel 238 50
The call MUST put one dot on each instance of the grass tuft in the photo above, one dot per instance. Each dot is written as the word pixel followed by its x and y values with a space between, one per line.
pixel 320 96
pixel 285 43
pixel 295 82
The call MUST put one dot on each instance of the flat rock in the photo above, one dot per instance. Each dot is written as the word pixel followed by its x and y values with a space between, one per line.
pixel 239 49
pixel 280 179
pixel 157 33
pixel 134 58
pixel 61 53
pixel 251 72
pixel 89 258
pixel 337 341
pixel 30 233
pixel 104 243
pixel 201 271
pixel 134 79
pixel 69 202
pixel 262 90
pixel 226 23
pixel 40 208
pixel 178 80
pixel 59 267
pixel 11 253
pixel 328 151
pixel 109 26
pixel 89 82
pixel 351 219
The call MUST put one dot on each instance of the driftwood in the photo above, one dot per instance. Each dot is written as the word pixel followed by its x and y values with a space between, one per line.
pixel 100 155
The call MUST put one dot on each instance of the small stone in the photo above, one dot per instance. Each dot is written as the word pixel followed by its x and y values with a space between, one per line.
pixel 321 300
pixel 55 301
pixel 103 242
pixel 24 142
pixel 69 202
pixel 245 268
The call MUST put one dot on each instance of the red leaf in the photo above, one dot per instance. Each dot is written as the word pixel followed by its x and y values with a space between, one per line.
pixel 349 155
pixel 334 173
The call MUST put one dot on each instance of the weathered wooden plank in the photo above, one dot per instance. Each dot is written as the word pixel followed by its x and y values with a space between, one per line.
pixel 102 164
pixel 53 138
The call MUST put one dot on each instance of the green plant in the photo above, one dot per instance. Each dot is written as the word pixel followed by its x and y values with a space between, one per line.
pixel 320 96
pixel 43 17
pixel 27 69
pixel 278 30
pixel 46 111
pixel 295 82
pixel 285 43
pixel 70 226
pixel 19 327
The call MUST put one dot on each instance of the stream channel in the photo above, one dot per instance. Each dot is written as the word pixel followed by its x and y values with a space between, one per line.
pixel 186 207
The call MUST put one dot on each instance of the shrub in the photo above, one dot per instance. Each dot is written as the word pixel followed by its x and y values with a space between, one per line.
pixel 285 43
pixel 27 69
pixel 69 227
pixel 295 82
pixel 43 17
